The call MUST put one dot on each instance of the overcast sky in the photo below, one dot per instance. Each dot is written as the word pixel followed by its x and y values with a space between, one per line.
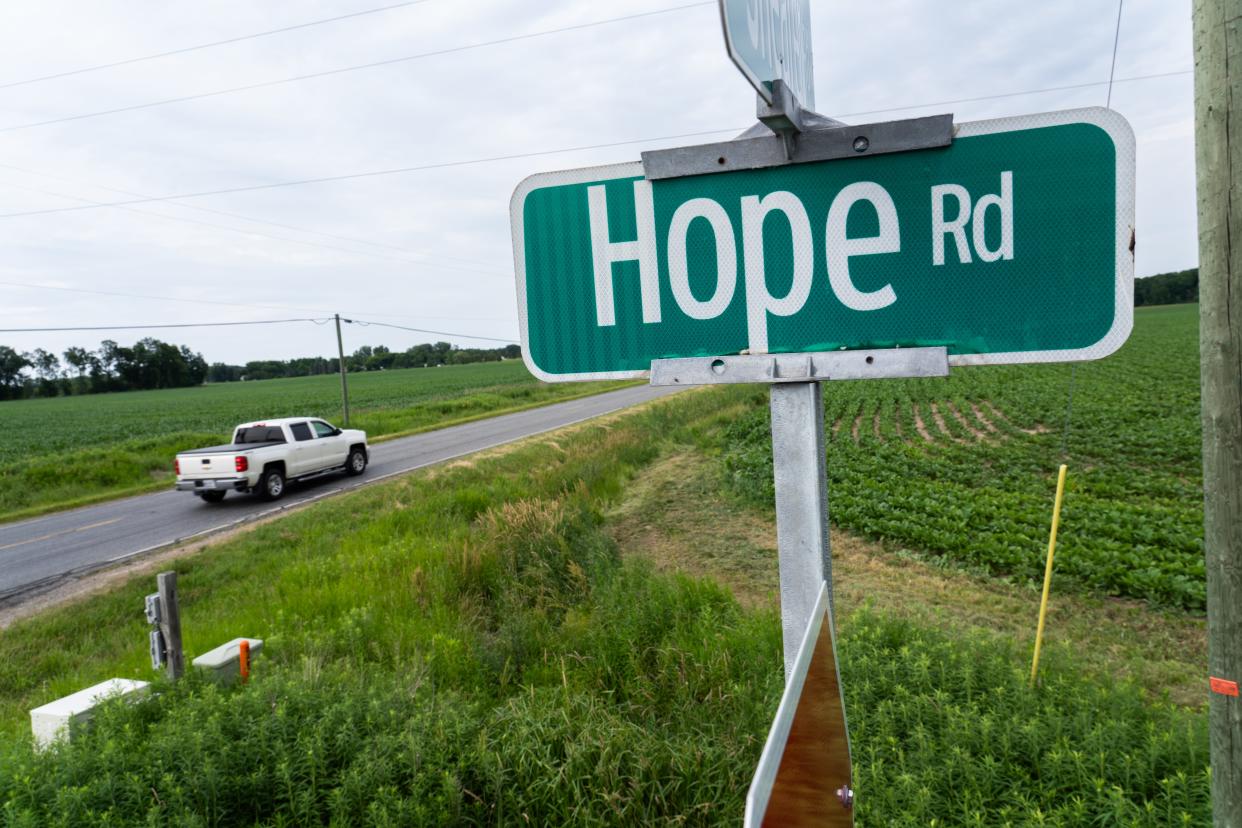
pixel 431 248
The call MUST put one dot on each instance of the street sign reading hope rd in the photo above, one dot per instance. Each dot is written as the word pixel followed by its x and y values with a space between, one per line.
pixel 1013 244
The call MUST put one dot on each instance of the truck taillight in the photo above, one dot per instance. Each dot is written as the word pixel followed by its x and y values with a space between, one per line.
pixel 241 463
pixel 176 466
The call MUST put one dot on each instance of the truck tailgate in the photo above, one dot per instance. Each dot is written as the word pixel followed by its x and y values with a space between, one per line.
pixel 203 466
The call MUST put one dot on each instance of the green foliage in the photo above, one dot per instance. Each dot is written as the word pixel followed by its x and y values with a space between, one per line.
pixel 946 731
pixel 980 491
pixel 1167 288
pixel 56 451
pixel 464 647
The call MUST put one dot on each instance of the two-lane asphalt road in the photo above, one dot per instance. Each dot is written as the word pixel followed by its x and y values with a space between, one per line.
pixel 37 554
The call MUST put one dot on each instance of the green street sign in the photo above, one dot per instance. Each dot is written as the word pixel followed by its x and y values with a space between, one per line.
pixel 1013 244
pixel 771 39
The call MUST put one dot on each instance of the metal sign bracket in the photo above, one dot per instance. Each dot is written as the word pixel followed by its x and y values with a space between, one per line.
pixel 881 363
pixel 789 134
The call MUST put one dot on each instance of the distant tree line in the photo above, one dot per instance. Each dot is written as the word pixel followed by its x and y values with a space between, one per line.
pixel 366 358
pixel 1168 288
pixel 149 363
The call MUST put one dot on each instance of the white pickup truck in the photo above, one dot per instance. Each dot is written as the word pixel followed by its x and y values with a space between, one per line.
pixel 265 456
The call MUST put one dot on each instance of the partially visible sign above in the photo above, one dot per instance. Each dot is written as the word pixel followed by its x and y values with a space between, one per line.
pixel 1014 244
pixel 770 40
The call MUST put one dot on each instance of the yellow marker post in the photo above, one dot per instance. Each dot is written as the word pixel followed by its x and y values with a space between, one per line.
pixel 1052 547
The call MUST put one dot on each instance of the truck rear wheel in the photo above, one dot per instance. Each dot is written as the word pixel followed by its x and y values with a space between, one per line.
pixel 272 484
pixel 213 497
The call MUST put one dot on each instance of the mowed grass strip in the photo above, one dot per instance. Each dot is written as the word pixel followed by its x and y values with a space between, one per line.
pixel 68 451
pixel 466 646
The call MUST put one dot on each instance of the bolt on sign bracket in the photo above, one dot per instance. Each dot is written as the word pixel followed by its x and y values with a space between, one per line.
pixel 798 137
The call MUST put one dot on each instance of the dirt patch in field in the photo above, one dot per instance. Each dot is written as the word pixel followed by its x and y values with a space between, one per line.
pixel 944 428
pixel 965 423
pixel 919 425
pixel 1038 428
pixel 982 418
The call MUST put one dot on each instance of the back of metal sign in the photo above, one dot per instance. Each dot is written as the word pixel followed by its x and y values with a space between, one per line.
pixel 803 776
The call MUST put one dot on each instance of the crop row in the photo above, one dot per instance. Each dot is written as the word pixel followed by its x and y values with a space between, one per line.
pixel 966 467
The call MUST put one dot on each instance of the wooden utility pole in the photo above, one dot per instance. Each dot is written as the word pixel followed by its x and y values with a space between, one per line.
pixel 340 352
pixel 1218 164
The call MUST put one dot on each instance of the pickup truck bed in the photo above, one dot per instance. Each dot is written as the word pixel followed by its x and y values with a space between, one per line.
pixel 231 448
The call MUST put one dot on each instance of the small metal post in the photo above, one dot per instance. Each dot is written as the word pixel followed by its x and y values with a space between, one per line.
pixel 340 352
pixel 170 624
pixel 800 473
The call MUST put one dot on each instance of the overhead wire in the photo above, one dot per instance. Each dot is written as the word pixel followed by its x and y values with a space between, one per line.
pixel 425 331
pixel 214 43
pixel 1073 377
pixel 375 173
pixel 354 68
pixel 1067 88
pixel 423 255
pixel 145 326
pixel 428 262
pixel 121 294
pixel 540 153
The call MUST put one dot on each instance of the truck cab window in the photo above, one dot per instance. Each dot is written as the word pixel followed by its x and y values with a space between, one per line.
pixel 322 429
pixel 301 431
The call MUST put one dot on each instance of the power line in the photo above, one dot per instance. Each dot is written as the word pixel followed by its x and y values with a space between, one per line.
pixel 1068 88
pixel 215 43
pixel 425 331
pixel 427 261
pixel 241 216
pixel 560 150
pixel 1108 101
pixel 373 173
pixel 143 327
pixel 1113 66
pixel 31 286
pixel 251 322
pixel 355 68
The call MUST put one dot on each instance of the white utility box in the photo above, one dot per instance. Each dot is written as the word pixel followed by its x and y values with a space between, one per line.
pixel 61 718
pixel 223 663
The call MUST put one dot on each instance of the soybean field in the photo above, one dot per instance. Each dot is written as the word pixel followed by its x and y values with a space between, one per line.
pixel 964 469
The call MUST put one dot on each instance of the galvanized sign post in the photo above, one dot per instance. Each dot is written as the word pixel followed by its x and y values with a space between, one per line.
pixel 806 250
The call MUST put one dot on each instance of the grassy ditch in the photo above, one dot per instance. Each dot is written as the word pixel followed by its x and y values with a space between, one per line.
pixel 467 645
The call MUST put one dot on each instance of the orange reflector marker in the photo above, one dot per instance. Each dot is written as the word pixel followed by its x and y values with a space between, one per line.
pixel 1223 686
pixel 243 660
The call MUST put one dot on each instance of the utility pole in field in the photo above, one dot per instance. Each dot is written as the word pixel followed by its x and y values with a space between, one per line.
pixel 1218 165
pixel 340 352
